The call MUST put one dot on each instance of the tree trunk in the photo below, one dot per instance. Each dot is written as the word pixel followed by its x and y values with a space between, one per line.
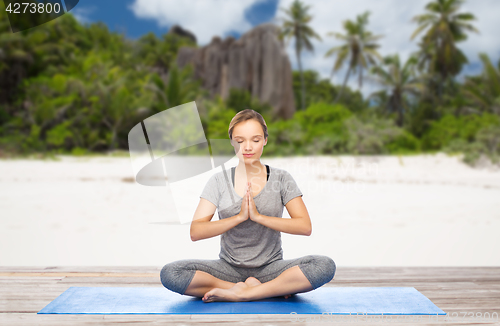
pixel 360 78
pixel 113 139
pixel 399 102
pixel 303 96
pixel 343 85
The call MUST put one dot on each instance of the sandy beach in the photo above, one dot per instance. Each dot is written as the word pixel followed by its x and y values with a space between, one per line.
pixel 425 210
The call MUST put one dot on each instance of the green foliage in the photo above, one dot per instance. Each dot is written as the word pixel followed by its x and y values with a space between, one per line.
pixel 58 135
pixel 69 88
pixel 11 145
pixel 174 89
pixel 92 106
pixel 449 128
pixel 218 118
pixel 296 25
pixel 316 90
pixel 358 51
pixel 421 117
pixel 404 143
pixel 333 129
pixel 400 81
pixel 160 53
pixel 324 128
pixel 286 138
pixel 78 151
pixel 83 87
pixel 321 90
pixel 486 144
pixel 444 25
pixel 322 118
pixel 484 90
pixel 239 100
pixel 375 135
pixel 4 116
pixel 33 140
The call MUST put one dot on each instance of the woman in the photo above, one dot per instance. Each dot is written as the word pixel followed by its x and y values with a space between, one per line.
pixel 250 265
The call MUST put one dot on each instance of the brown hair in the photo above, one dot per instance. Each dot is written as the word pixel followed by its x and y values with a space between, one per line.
pixel 245 115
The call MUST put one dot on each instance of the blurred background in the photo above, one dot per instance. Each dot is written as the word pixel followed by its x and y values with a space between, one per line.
pixel 386 114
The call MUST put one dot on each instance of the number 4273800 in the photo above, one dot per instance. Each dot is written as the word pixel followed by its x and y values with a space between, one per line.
pixel 33 8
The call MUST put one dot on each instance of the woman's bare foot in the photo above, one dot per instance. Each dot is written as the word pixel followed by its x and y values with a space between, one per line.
pixel 236 293
pixel 252 281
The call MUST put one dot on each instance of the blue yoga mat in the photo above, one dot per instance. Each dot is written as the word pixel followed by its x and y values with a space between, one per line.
pixel 324 300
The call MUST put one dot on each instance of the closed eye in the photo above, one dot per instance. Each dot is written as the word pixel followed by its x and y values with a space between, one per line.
pixel 255 141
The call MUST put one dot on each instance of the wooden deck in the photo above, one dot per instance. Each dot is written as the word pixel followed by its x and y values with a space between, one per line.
pixel 26 290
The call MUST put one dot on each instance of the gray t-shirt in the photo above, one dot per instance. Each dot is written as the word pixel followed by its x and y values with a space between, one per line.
pixel 250 244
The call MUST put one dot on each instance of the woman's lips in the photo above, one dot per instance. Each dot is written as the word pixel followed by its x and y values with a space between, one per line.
pixel 248 155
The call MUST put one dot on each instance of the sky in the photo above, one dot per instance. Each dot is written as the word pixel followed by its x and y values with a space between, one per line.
pixel 208 18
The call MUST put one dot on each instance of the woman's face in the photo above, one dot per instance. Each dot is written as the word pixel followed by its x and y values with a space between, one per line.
pixel 248 138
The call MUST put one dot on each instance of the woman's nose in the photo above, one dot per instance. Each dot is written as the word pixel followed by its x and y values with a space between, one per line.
pixel 244 145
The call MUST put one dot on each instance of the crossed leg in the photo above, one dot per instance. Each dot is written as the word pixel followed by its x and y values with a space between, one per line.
pixel 291 281
pixel 252 281
pixel 203 282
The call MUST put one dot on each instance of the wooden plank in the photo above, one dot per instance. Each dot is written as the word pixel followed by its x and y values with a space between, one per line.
pixel 364 272
pixel 26 290
pixel 81 269
pixel 74 274
pixel 31 319
pixel 111 280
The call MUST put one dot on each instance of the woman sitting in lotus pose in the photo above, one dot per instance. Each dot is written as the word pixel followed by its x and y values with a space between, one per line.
pixel 250 265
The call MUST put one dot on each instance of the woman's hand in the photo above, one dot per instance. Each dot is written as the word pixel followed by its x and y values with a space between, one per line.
pixel 252 209
pixel 244 205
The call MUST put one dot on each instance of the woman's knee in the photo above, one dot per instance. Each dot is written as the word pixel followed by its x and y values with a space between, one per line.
pixel 175 277
pixel 323 267
pixel 167 275
pixel 328 266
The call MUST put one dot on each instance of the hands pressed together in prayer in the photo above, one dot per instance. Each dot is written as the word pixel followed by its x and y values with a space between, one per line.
pixel 248 208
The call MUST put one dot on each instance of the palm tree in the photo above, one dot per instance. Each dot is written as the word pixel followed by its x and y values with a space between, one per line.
pixel 176 88
pixel 359 47
pixel 296 26
pixel 445 27
pixel 485 89
pixel 400 81
pixel 160 53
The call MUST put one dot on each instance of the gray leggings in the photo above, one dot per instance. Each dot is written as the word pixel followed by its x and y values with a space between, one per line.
pixel 177 276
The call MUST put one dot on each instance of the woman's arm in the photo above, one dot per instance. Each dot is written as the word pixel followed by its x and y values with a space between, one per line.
pixel 203 228
pixel 300 222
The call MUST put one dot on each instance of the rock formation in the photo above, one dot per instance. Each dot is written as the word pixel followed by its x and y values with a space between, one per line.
pixel 176 29
pixel 256 62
